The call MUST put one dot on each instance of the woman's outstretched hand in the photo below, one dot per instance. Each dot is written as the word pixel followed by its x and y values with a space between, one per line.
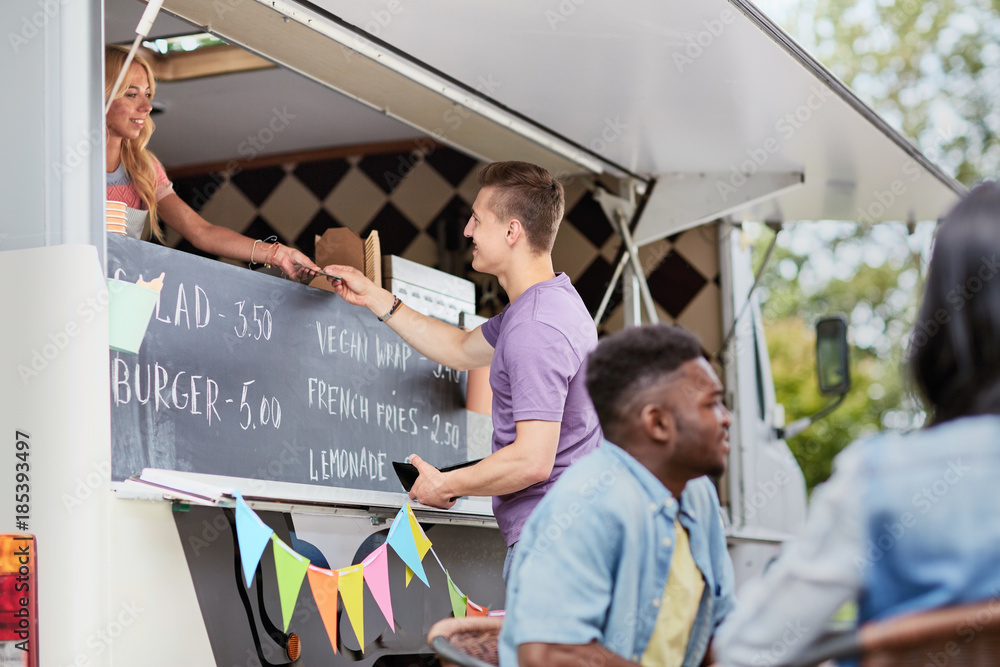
pixel 295 264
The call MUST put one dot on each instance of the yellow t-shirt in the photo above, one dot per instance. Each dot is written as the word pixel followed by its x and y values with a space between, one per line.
pixel 678 606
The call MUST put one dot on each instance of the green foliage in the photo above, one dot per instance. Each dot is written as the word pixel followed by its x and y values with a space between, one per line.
pixel 932 70
pixel 874 391
pixel 879 311
pixel 874 283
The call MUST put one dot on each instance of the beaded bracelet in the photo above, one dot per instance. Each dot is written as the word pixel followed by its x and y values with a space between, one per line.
pixel 396 303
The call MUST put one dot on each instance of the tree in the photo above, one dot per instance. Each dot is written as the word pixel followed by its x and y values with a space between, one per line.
pixel 931 69
pixel 876 295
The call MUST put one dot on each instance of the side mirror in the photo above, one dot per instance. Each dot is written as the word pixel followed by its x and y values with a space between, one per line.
pixel 832 355
pixel 832 369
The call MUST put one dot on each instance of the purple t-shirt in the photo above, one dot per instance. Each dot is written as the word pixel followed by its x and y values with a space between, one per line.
pixel 541 343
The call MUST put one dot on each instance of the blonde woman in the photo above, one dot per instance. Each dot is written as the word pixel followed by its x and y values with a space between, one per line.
pixel 135 177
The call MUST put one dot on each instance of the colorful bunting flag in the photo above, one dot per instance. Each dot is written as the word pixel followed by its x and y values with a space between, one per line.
pixel 402 542
pixel 252 535
pixel 420 539
pixel 351 585
pixel 459 602
pixel 291 570
pixel 407 539
pixel 376 569
pixel 323 583
pixel 473 609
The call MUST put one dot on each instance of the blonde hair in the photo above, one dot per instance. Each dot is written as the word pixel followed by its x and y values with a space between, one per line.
pixel 140 164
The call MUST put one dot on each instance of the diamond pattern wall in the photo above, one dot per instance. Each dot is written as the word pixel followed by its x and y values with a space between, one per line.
pixel 419 202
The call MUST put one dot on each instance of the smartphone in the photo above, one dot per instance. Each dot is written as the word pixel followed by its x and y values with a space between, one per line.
pixel 407 472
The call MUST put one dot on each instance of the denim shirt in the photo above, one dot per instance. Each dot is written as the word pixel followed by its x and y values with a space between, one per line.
pixel 906 523
pixel 594 557
pixel 931 534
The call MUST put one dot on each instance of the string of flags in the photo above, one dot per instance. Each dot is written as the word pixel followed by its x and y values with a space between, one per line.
pixel 406 538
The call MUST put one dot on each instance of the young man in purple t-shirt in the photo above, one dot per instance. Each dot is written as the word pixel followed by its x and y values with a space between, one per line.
pixel 543 419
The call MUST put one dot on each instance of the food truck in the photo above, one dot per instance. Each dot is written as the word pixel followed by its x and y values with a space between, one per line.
pixel 255 409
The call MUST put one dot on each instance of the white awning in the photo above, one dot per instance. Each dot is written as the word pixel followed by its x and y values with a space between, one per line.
pixel 708 101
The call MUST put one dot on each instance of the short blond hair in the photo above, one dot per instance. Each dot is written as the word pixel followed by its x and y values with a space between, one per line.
pixel 530 194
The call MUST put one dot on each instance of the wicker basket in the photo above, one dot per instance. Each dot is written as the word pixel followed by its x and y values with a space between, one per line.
pixel 963 636
pixel 466 642
pixel 959 636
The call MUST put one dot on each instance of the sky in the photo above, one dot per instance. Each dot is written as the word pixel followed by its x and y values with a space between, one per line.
pixel 777 9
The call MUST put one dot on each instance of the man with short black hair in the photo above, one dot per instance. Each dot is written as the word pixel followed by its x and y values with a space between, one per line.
pixel 542 418
pixel 625 559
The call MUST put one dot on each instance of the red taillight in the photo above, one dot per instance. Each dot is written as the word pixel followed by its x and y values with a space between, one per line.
pixel 18 602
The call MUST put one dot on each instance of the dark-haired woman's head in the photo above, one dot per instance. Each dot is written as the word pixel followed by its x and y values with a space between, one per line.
pixel 955 344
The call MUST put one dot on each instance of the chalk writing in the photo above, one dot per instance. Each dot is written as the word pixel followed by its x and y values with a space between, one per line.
pixel 245 375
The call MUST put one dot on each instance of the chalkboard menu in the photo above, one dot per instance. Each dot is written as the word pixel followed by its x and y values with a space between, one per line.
pixel 248 375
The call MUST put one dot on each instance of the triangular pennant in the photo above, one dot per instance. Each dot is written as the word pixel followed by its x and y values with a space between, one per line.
pixel 351 587
pixel 291 570
pixel 377 577
pixel 458 600
pixel 473 609
pixel 419 537
pixel 401 540
pixel 323 583
pixel 252 535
